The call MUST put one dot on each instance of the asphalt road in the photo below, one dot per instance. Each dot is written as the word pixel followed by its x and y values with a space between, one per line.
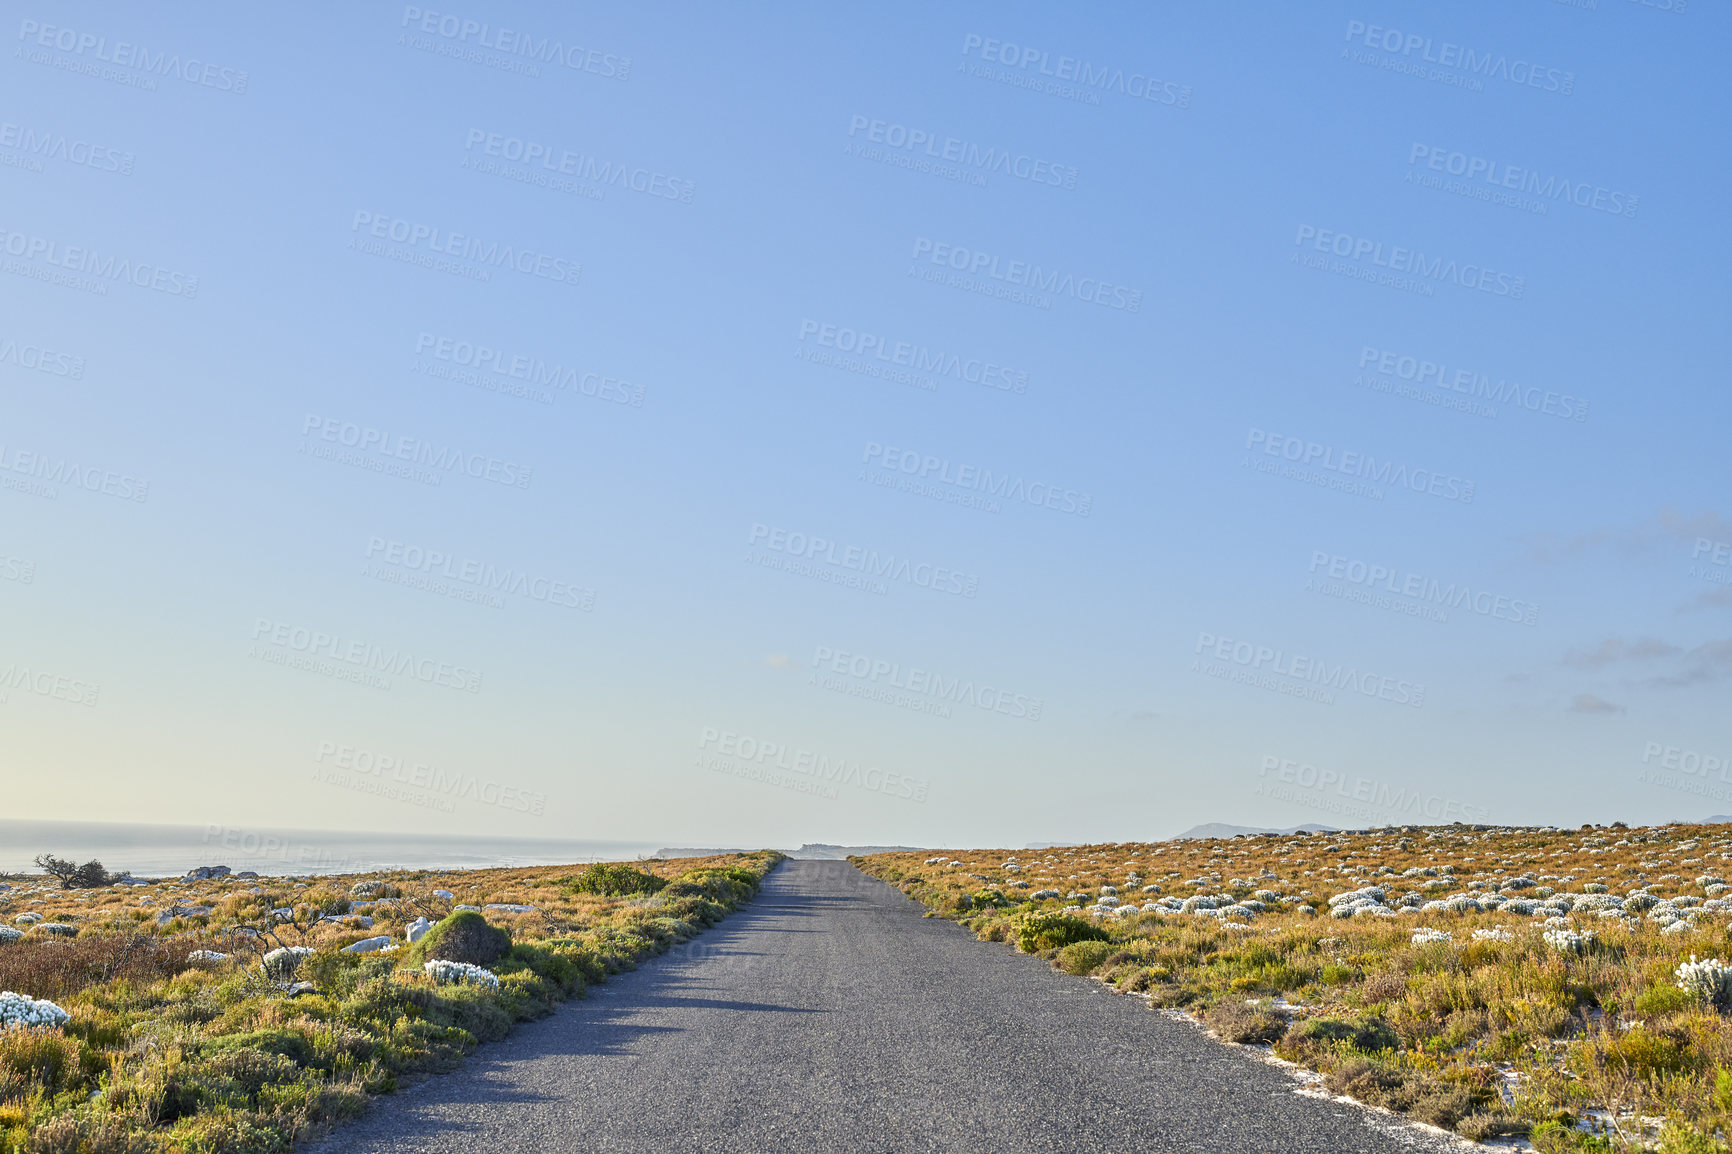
pixel 830 1016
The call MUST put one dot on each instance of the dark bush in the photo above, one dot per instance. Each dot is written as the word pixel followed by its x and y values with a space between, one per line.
pixel 465 936
pixel 88 876
pixel 616 879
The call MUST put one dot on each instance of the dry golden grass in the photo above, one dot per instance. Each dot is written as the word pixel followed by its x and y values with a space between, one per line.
pixel 1485 1024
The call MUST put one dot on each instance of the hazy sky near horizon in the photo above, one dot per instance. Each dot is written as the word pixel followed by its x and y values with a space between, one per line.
pixel 974 424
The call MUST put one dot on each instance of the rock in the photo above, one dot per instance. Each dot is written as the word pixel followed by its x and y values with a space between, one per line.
pixel 417 929
pixel 205 873
pixel 283 914
pixel 247 874
pixel 58 929
pixel 129 880
pixel 505 907
pixel 370 945
pixel 445 895
pixel 471 909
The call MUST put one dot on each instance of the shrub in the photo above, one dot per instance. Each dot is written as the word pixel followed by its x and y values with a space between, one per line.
pixel 88 876
pixel 461 973
pixel 1368 1035
pixel 1245 1022
pixel 617 879
pixel 464 937
pixel 1082 958
pixel 1045 931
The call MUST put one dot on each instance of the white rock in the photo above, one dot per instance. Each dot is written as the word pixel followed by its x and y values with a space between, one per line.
pixel 417 929
pixel 369 945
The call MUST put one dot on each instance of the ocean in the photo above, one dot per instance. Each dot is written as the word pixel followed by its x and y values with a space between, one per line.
pixel 172 850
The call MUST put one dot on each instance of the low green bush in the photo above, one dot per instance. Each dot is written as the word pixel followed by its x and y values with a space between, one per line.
pixel 1081 958
pixel 1045 931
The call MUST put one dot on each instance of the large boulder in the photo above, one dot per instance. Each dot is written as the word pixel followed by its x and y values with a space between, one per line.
pixel 370 945
pixel 205 873
pixel 416 930
pixel 465 937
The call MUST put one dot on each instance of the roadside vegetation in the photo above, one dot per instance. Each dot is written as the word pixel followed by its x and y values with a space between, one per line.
pixel 1569 986
pixel 243 1013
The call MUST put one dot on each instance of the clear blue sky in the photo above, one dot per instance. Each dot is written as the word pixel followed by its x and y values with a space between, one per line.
pixel 957 425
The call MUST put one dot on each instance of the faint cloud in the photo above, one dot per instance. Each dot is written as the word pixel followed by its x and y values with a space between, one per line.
pixel 781 661
pixel 1144 715
pixel 1712 599
pixel 1666 525
pixel 1589 703
pixel 1709 661
pixel 1615 649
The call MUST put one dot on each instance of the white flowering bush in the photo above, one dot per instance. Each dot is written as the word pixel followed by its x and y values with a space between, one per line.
pixel 206 956
pixel 57 929
pixel 1569 941
pixel 8 935
pixel 1430 937
pixel 459 973
pixel 26 1012
pixel 1710 978
pixel 1498 934
pixel 281 964
pixel 27 919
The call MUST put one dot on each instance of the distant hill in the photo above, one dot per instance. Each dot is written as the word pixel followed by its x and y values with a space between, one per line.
pixel 818 851
pixel 1051 844
pixel 811 851
pixel 1218 829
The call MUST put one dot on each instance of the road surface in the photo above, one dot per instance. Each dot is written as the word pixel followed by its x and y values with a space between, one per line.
pixel 830 1016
